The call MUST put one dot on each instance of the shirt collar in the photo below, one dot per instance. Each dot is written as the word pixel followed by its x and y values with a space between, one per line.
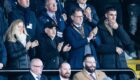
pixel 51 14
pixel 78 25
pixel 91 73
pixel 34 75
pixel 83 6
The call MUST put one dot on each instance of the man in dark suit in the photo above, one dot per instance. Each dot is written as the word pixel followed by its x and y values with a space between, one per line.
pixel 35 73
pixel 64 72
pixel 50 15
pixel 80 36
pixel 90 15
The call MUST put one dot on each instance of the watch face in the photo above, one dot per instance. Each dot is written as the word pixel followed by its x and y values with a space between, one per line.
pixel 138 67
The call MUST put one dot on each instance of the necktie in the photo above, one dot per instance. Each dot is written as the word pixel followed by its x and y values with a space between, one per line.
pixel 79 28
pixel 54 18
pixel 93 78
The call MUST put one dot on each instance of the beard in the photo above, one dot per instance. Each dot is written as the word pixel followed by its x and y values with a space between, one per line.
pixel 90 69
pixel 66 75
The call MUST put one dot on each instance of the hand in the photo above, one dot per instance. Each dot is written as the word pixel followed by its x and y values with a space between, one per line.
pixel 35 43
pixel 95 30
pixel 28 45
pixel 59 47
pixel 113 24
pixel 64 16
pixel 87 13
pixel 119 50
pixel 66 48
pixel 1 65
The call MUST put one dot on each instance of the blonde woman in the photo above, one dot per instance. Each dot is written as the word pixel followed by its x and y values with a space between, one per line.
pixel 18 45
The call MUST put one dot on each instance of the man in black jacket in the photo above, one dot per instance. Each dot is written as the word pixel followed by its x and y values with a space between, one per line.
pixel 114 42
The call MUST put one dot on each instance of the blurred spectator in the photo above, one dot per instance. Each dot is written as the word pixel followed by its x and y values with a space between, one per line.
pixel 89 70
pixel 134 14
pixel 51 47
pixel 23 12
pixel 9 5
pixel 3 53
pixel 90 15
pixel 38 6
pixel 64 72
pixel 101 5
pixel 80 36
pixel 36 68
pixel 50 15
pixel 114 42
pixel 18 44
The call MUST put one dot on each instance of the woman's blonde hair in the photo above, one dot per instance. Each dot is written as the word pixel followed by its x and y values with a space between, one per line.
pixel 12 30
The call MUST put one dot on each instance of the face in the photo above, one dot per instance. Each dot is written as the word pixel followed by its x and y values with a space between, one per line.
pixel 77 17
pixel 82 1
pixel 20 27
pixel 37 67
pixel 24 3
pixel 90 64
pixel 51 32
pixel 65 70
pixel 51 5
pixel 111 15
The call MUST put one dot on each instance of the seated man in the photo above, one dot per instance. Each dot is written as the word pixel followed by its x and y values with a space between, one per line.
pixel 64 72
pixel 88 72
pixel 35 73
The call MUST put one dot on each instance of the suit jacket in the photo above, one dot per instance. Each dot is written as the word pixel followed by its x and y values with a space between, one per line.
pixel 29 76
pixel 78 43
pixel 84 76
pixel 46 18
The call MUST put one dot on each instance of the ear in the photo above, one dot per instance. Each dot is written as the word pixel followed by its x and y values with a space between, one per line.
pixel 46 30
pixel 72 17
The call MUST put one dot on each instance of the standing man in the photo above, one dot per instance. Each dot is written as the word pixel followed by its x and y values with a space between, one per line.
pixel 23 12
pixel 50 15
pixel 80 36
pixel 114 42
pixel 90 15
pixel 35 73
pixel 64 72
pixel 89 71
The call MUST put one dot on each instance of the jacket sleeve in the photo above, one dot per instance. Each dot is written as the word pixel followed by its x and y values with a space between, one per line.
pixel 75 77
pixel 126 40
pixel 3 53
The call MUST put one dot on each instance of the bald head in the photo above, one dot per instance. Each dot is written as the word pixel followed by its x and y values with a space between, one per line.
pixel 65 70
pixel 36 66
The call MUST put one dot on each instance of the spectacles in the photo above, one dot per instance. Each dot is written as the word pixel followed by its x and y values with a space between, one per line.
pixel 78 16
